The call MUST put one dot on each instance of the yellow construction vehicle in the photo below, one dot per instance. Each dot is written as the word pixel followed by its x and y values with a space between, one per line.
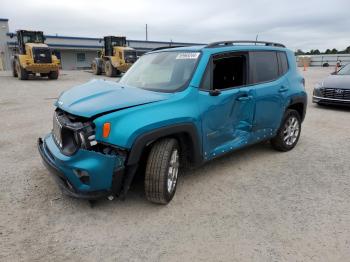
pixel 34 56
pixel 115 58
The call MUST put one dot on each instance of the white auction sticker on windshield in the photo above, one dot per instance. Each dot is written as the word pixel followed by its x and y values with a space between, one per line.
pixel 187 55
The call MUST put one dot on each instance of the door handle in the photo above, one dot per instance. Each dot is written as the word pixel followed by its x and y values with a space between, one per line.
pixel 283 89
pixel 244 98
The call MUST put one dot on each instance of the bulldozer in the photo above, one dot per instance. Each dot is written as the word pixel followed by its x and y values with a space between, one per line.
pixel 33 56
pixel 115 58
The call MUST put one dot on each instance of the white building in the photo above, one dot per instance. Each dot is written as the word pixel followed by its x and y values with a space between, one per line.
pixel 323 59
pixel 74 52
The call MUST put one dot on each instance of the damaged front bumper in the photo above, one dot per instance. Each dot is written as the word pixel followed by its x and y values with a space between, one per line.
pixel 86 174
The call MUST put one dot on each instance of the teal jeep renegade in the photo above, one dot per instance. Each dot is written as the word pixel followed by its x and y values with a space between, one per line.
pixel 173 108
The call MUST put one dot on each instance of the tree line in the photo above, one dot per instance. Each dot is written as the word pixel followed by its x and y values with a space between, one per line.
pixel 327 52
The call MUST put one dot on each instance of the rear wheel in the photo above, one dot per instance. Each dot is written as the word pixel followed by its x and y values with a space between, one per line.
pixel 14 71
pixel 53 75
pixel 96 70
pixel 289 132
pixel 110 69
pixel 162 171
pixel 21 72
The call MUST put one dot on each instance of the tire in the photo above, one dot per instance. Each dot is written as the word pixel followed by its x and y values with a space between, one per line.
pixel 14 71
pixel 110 69
pixel 53 75
pixel 289 132
pixel 96 69
pixel 22 74
pixel 160 184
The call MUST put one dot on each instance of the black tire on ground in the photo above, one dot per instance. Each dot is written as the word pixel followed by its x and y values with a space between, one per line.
pixel 163 157
pixel 14 71
pixel 289 132
pixel 21 72
pixel 96 69
pixel 110 69
pixel 53 75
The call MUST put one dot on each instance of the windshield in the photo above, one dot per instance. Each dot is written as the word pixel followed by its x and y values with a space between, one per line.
pixel 33 38
pixel 163 71
pixel 118 41
pixel 345 70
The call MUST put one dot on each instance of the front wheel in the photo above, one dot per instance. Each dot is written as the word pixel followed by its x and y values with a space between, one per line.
pixel 22 74
pixel 53 75
pixel 110 70
pixel 288 134
pixel 162 171
pixel 96 69
pixel 14 70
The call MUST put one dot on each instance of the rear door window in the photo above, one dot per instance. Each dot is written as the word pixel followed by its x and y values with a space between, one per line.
pixel 263 66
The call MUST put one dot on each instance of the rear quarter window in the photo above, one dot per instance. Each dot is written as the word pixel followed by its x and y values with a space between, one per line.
pixel 283 63
pixel 263 66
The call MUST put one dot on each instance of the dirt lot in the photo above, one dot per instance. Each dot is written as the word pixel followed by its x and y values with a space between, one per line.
pixel 252 205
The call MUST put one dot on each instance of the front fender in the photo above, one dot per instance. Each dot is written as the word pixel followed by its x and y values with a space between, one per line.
pixel 24 59
pixel 128 125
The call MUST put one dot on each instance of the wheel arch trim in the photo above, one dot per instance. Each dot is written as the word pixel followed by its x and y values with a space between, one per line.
pixel 299 99
pixel 142 141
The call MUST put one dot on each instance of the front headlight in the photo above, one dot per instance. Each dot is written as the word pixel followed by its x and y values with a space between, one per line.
pixel 86 138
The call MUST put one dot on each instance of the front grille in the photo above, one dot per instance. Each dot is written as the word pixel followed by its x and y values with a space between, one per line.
pixel 64 133
pixel 72 132
pixel 42 55
pixel 336 93
pixel 57 130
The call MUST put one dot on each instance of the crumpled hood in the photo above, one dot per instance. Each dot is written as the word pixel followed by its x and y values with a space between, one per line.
pixel 100 96
pixel 337 81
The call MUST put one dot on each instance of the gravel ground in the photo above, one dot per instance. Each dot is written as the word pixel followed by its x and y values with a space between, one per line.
pixel 253 205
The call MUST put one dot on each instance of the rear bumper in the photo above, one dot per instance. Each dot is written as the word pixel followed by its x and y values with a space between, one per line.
pixel 330 101
pixel 105 172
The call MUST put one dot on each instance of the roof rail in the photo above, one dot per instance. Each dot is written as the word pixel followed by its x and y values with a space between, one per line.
pixel 166 47
pixel 226 43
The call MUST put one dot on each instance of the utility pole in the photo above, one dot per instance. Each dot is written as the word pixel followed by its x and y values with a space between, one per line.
pixel 146 33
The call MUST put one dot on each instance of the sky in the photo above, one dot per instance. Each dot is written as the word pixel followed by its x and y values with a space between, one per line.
pixel 298 24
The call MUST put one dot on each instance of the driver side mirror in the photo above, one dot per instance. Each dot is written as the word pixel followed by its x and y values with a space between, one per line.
pixel 214 92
